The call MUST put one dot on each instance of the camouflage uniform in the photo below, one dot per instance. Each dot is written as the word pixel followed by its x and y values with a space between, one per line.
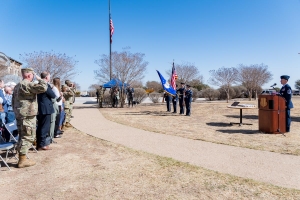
pixel 100 94
pixel 72 100
pixel 25 107
pixel 68 98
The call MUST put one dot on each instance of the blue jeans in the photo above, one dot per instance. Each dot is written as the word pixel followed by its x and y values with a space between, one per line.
pixel 10 117
pixel 2 116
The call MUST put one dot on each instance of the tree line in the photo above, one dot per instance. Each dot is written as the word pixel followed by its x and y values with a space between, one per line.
pixel 243 80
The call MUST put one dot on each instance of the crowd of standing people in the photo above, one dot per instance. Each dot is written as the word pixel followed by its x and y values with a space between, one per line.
pixel 115 96
pixel 41 108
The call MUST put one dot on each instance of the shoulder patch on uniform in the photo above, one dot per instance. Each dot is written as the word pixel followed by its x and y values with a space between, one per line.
pixel 289 91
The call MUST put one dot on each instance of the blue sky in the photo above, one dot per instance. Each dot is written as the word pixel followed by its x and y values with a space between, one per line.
pixel 209 33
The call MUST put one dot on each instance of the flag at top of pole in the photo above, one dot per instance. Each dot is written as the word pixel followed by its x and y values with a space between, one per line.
pixel 174 77
pixel 111 28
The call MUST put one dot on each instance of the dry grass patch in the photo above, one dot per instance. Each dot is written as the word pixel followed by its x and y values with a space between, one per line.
pixel 84 167
pixel 210 121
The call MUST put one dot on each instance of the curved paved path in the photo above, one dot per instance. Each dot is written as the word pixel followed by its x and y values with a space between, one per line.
pixel 277 169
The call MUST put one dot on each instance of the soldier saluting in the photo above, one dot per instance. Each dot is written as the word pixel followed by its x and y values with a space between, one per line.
pixel 181 93
pixel 24 102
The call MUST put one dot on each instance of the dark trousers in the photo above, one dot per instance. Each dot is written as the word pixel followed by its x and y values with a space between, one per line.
pixel 168 106
pixel 181 105
pixel 43 130
pixel 174 106
pixel 57 120
pixel 188 107
pixel 288 120
pixel 130 101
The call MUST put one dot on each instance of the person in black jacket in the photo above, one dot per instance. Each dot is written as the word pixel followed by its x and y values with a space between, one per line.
pixel 286 92
pixel 45 109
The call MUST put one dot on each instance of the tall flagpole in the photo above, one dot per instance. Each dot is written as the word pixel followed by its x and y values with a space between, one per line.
pixel 109 18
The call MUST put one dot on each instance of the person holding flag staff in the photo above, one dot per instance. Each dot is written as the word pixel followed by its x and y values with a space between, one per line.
pixel 174 102
pixel 181 92
pixel 188 100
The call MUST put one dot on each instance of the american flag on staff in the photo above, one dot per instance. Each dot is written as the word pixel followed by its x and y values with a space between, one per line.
pixel 174 77
pixel 111 28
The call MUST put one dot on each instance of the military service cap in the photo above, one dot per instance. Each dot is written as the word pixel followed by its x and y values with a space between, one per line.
pixel 188 86
pixel 67 82
pixel 286 77
pixel 27 70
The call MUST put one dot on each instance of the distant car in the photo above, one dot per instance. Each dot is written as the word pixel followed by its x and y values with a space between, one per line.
pixel 296 92
pixel 85 95
pixel 268 91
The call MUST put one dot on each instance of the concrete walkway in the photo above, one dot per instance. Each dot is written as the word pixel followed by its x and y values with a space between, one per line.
pixel 277 169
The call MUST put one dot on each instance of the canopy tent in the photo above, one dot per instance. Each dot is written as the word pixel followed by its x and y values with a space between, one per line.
pixel 113 83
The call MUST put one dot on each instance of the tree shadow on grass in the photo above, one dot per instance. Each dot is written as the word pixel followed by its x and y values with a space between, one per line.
pixel 244 116
pixel 240 131
pixel 153 113
pixel 85 107
pixel 221 124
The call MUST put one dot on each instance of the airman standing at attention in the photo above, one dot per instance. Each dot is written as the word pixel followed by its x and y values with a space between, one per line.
pixel 286 92
pixel 100 95
pixel 188 100
pixel 181 92
pixel 24 103
pixel 68 94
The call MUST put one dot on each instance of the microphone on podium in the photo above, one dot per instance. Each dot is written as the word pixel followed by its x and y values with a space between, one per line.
pixel 273 85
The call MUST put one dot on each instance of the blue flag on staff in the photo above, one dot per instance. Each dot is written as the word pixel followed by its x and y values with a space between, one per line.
pixel 166 86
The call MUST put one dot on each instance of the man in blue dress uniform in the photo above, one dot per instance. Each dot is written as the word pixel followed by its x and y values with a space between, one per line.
pixel 188 100
pixel 181 92
pixel 168 101
pixel 286 92
pixel 174 101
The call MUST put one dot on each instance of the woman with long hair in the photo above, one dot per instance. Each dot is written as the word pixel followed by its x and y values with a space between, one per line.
pixel 58 94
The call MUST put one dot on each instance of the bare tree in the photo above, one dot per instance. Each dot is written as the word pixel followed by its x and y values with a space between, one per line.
pixel 139 94
pixel 210 94
pixel 58 64
pixel 253 77
pixel 136 84
pixel 224 77
pixel 186 72
pixel 126 66
pixel 11 78
pixel 77 86
pixel 156 86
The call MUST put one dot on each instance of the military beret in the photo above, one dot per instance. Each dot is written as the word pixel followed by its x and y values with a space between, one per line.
pixel 27 70
pixel 286 77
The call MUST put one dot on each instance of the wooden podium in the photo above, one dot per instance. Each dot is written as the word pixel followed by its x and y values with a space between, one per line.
pixel 271 114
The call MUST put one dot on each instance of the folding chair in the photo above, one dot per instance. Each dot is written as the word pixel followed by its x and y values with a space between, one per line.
pixel 9 147
pixel 11 128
